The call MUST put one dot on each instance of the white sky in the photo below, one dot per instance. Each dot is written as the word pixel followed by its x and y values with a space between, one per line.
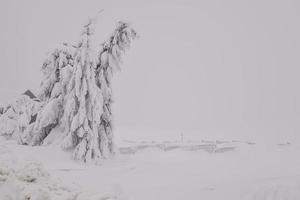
pixel 215 68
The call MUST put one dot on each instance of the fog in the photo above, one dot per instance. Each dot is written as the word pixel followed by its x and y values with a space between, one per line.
pixel 214 69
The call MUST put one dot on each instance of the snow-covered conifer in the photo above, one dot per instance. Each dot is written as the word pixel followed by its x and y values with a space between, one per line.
pixel 109 61
pixel 83 103
pixel 51 94
pixel 76 95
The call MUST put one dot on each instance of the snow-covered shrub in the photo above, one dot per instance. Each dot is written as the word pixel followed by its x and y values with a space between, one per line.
pixel 17 116
pixel 8 123
pixel 31 181
pixel 28 180
pixel 31 172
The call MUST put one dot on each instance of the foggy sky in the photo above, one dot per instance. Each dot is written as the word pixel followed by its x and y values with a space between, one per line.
pixel 214 68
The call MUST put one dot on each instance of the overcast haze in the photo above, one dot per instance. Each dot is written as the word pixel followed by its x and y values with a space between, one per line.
pixel 215 68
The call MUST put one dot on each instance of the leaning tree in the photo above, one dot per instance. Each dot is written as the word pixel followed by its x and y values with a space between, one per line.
pixel 76 94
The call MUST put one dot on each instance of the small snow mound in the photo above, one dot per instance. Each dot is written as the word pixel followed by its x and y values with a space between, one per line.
pixel 31 172
pixel 28 180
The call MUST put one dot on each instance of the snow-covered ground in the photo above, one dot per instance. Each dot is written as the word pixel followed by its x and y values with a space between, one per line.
pixel 166 170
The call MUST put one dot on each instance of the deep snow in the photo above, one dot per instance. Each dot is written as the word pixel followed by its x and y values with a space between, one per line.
pixel 169 170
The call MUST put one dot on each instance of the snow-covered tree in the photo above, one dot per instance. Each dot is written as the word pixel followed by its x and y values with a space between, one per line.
pixel 57 70
pixel 109 60
pixel 83 104
pixel 76 95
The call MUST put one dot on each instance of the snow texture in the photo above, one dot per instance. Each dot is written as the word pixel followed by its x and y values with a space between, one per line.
pixel 156 170
pixel 24 180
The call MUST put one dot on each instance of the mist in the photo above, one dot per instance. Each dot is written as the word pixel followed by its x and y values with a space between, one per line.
pixel 211 69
